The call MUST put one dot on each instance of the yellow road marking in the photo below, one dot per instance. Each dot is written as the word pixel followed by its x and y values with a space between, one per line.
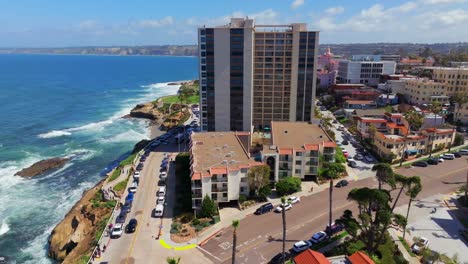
pixel 167 246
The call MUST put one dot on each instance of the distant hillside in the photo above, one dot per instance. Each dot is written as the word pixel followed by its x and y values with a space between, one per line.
pixel 182 50
pixel 403 49
pixel 346 50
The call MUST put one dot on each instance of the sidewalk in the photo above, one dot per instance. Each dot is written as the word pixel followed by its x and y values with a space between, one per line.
pixel 433 155
pixel 401 247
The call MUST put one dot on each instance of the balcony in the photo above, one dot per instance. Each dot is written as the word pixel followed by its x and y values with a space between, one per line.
pixel 218 189
pixel 312 162
pixel 328 151
pixel 196 185
pixel 285 159
pixel 197 194
pixel 219 179
pixel 222 199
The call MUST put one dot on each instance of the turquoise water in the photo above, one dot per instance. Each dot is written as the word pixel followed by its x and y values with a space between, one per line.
pixel 53 105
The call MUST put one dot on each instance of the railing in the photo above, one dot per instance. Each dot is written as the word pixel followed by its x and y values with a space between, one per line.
pixel 222 199
pixel 219 189
pixel 196 185
pixel 219 179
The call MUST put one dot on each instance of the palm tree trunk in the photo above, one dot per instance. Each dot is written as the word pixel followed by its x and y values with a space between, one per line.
pixel 330 208
pixel 234 245
pixel 397 198
pixel 407 215
pixel 404 148
pixel 283 215
pixel 466 188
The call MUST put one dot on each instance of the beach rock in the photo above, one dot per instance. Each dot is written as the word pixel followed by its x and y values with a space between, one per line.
pixel 74 236
pixel 146 110
pixel 42 166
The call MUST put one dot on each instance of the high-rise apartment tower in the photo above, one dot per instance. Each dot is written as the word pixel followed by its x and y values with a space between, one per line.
pixel 252 74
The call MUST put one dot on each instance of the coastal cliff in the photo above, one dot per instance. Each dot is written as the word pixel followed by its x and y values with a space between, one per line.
pixel 76 234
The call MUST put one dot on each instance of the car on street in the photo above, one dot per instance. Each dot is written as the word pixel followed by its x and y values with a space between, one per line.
pixel 287 207
pixel 457 154
pixel 420 164
pixel 335 228
pixel 463 151
pixel 132 189
pixel 352 164
pixel 420 245
pixel 461 130
pixel 163 169
pixel 278 258
pixel 131 226
pixel 369 158
pixel 448 156
pixel 345 142
pixel 140 166
pixel 350 159
pixel 293 199
pixel 342 183
pixel 318 237
pixel 340 128
pixel 161 199
pixel 127 207
pixel 301 246
pixel 358 157
pixel 264 209
pixel 345 153
pixel 117 231
pixel 136 175
pixel 433 161
pixel 143 158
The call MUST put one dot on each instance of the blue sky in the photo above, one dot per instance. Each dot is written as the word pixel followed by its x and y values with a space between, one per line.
pixel 54 23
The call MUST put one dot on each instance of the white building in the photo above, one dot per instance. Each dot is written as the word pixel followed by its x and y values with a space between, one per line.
pixel 432 120
pixel 365 72
pixel 219 163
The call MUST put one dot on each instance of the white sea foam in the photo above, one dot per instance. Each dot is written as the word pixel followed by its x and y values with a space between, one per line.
pixel 131 136
pixel 54 133
pixel 4 228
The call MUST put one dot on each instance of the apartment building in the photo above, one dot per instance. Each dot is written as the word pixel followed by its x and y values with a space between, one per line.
pixel 380 57
pixel 424 91
pixel 219 163
pixel 295 150
pixel 365 72
pixel 253 74
pixel 455 79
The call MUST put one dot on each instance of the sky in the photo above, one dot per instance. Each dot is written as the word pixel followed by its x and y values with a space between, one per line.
pixel 66 23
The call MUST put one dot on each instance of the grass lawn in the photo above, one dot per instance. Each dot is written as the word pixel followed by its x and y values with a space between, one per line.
pixel 128 160
pixel 408 248
pixel 121 185
pixel 194 99
pixel 115 174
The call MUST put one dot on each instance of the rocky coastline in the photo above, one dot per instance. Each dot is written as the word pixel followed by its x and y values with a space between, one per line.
pixel 42 166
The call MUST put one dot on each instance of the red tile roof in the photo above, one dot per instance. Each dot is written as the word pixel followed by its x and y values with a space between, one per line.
pixel 218 171
pixel 285 151
pixel 364 120
pixel 196 176
pixel 360 258
pixel 329 144
pixel 311 257
pixel 311 147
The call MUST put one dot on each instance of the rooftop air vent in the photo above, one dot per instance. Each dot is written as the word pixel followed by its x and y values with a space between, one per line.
pixel 285 131
pixel 225 146
pixel 228 155
pixel 224 162
pixel 232 162
pixel 272 147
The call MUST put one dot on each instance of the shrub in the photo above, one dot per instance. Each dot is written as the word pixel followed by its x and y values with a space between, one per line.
pixel 186 218
pixel 264 192
pixel 355 246
pixel 242 198
pixel 459 140
pixel 288 185
pixel 175 228
pixel 208 207
pixel 195 222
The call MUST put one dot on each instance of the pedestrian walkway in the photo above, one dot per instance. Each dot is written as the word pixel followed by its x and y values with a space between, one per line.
pixel 401 247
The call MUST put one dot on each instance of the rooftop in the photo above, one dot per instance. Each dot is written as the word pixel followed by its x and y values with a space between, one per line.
pixel 311 257
pixel 296 134
pixel 216 151
pixel 360 102
pixel 360 258
pixel 369 112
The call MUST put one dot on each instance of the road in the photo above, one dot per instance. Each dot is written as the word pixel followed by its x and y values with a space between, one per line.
pixel 311 215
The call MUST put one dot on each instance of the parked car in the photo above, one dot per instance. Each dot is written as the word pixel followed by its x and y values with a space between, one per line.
pixel 369 158
pixel 433 161
pixel 121 217
pixel 340 128
pixel 140 166
pixel 461 130
pixel 448 156
pixel 352 164
pixel 136 175
pixel 318 237
pixel 420 164
pixel 161 200
pixel 127 207
pixel 132 189
pixel 143 158
pixel 293 200
pixel 463 151
pixel 264 209
pixel 131 226
pixel 345 142
pixel 278 258
pixel 117 231
pixel 345 153
pixel 420 245
pixel 342 183
pixel 287 206
pixel 457 154
pixel 335 228
pixel 301 246
pixel 358 157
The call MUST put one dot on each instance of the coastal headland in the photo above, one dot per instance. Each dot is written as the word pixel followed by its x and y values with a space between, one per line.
pixel 74 238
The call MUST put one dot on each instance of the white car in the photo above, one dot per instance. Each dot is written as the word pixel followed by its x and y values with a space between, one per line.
pixel 301 246
pixel 287 207
pixel 318 237
pixel 293 200
pixel 117 231
pixel 420 245
pixel 351 160
pixel 161 200
pixel 132 189
pixel 136 175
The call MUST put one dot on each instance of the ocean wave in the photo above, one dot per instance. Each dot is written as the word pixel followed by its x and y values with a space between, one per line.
pixel 80 154
pixel 54 133
pixel 131 136
pixel 4 228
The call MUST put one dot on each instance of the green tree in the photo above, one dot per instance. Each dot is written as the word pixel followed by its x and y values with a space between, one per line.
pixel 235 225
pixel 460 98
pixel 173 260
pixel 372 131
pixel 288 185
pixel 435 107
pixel 459 140
pixel 258 177
pixel 384 174
pixel 415 121
pixel 414 188
pixel 264 192
pixel 208 207
pixel 283 217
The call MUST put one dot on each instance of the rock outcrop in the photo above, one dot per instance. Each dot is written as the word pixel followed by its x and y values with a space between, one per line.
pixel 74 236
pixel 140 145
pixel 146 110
pixel 42 166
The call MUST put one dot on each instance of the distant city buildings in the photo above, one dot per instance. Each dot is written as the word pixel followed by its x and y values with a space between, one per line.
pixel 380 57
pixel 327 69
pixel 252 74
pixel 364 72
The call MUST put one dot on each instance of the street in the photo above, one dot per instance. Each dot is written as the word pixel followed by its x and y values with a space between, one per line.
pixel 311 215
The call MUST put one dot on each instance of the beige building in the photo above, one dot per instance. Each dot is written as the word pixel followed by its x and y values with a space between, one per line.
pixel 252 74
pixel 424 91
pixel 295 150
pixel 219 163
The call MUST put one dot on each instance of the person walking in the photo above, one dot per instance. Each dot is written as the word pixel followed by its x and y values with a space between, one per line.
pixel 104 248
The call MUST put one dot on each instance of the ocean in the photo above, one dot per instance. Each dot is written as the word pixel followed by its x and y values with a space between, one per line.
pixel 68 105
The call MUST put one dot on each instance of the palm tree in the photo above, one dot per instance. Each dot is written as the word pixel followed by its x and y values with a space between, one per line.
pixel 402 181
pixel 460 98
pixel 173 260
pixel 435 108
pixel 331 174
pixel 372 130
pixel 384 174
pixel 235 225
pixel 414 188
pixel 283 216
pixel 415 121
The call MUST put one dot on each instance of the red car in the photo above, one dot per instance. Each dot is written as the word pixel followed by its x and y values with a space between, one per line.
pixel 346 154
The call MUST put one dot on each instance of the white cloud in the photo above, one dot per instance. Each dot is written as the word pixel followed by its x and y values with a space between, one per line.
pixel 87 25
pixel 437 2
pixel 154 23
pixel 297 3
pixel 408 6
pixel 335 10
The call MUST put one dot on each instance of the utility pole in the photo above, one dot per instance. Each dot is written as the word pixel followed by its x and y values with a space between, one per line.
pixel 330 209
